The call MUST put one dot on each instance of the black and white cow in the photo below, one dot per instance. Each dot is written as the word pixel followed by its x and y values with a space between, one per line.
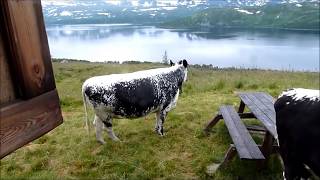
pixel 133 95
pixel 298 127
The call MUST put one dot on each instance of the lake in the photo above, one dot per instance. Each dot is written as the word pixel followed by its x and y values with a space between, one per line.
pixel 265 49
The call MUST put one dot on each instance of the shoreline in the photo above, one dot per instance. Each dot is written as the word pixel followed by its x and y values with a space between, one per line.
pixel 159 25
pixel 196 66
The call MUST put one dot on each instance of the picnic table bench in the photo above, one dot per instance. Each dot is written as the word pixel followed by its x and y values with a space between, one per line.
pixel 261 107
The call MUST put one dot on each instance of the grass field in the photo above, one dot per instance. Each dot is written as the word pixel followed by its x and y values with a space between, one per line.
pixel 184 152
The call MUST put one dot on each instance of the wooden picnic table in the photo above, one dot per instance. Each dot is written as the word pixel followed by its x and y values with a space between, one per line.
pixel 261 107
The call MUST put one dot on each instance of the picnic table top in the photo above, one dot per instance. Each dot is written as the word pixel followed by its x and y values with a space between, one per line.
pixel 262 106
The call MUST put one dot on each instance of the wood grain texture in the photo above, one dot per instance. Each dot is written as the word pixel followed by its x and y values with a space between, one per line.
pixel 216 119
pixel 245 145
pixel 28 50
pixel 7 91
pixel 260 106
pixel 27 120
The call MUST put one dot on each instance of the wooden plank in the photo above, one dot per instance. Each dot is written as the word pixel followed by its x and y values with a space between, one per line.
pixel 266 99
pixel 253 102
pixel 269 102
pixel 268 96
pixel 27 120
pixel 245 145
pixel 263 105
pixel 7 92
pixel 267 122
pixel 266 107
pixel 216 119
pixel 25 36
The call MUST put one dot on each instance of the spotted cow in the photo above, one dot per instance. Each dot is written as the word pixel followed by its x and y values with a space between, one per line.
pixel 298 127
pixel 133 95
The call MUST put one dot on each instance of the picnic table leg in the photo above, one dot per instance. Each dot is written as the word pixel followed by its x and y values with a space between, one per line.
pixel 229 155
pixel 241 107
pixel 212 123
pixel 211 169
pixel 266 148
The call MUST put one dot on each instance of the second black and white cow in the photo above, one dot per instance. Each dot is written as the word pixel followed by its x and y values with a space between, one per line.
pixel 298 127
pixel 133 95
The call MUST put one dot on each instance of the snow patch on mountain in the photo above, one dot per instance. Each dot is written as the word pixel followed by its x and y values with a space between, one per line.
pixel 66 13
pixel 112 11
pixel 243 11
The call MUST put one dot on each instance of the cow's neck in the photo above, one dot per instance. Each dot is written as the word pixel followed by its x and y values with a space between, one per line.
pixel 179 75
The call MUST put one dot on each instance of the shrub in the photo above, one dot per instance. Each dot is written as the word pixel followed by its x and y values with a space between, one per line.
pixel 220 85
pixel 239 84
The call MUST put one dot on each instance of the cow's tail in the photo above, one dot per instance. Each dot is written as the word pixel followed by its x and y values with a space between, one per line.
pixel 84 98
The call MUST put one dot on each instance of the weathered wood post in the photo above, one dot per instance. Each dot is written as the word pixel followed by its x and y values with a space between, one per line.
pixel 28 99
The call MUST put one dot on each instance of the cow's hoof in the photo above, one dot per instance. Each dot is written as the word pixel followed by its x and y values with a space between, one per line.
pixel 101 142
pixel 160 133
pixel 116 139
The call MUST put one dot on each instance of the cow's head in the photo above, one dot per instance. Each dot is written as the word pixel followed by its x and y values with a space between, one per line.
pixel 183 63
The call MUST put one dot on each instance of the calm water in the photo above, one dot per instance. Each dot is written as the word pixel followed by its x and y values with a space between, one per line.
pixel 283 50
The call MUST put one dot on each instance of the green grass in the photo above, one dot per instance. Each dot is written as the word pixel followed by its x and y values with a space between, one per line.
pixel 184 152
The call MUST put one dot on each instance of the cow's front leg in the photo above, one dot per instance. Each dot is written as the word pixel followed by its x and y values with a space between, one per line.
pixel 162 114
pixel 108 127
pixel 99 128
pixel 160 117
pixel 157 121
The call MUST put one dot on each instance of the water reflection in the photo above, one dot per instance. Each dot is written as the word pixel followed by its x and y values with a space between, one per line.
pixel 220 47
pixel 94 32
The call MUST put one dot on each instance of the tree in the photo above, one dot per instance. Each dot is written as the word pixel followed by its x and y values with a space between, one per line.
pixel 165 58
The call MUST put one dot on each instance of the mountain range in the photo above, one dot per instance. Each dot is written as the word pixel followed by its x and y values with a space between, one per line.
pixel 299 14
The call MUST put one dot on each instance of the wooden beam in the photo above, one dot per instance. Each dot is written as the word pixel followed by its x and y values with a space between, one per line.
pixel 25 121
pixel 241 107
pixel 229 155
pixel 7 92
pixel 216 119
pixel 24 35
pixel 212 123
pixel 256 128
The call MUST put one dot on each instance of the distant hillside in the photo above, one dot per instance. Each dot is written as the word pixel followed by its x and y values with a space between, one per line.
pixel 225 13
pixel 288 16
pixel 105 12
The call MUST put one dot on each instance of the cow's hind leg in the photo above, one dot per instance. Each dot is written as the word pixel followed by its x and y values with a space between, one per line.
pixel 99 128
pixel 294 168
pixel 160 117
pixel 108 126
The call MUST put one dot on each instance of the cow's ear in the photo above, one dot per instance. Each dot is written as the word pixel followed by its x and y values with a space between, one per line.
pixel 171 63
pixel 185 63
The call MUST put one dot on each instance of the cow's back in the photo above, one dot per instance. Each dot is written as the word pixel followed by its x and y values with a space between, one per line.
pixel 134 94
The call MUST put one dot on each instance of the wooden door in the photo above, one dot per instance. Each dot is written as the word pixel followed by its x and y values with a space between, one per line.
pixel 29 102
